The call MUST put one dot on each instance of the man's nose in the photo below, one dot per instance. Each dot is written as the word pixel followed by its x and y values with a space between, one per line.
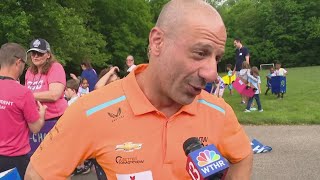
pixel 208 71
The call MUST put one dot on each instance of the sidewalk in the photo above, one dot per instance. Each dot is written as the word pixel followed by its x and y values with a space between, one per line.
pixel 295 154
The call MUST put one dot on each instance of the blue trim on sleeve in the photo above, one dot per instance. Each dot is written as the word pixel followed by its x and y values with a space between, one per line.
pixel 202 101
pixel 104 105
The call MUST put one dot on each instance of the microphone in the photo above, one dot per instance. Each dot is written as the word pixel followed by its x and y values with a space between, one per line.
pixel 204 162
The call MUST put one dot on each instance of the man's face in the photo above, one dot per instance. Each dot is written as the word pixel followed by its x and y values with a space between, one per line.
pixel 189 60
pixel 236 44
pixel 129 61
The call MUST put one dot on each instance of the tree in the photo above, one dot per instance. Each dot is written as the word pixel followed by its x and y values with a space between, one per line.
pixel 14 26
pixel 156 6
pixel 125 25
pixel 285 30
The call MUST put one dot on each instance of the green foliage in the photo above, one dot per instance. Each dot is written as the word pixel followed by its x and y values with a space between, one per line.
pixel 125 25
pixel 273 30
pixel 14 26
pixel 156 6
pixel 106 31
pixel 103 31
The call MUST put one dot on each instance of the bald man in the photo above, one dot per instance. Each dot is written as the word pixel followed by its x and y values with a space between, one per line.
pixel 137 125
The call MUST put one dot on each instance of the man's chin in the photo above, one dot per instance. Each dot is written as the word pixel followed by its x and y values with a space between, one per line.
pixel 186 100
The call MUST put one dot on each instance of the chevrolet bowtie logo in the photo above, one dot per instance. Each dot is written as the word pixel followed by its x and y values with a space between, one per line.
pixel 128 147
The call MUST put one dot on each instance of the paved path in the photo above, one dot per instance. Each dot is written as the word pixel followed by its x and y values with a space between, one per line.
pixel 295 154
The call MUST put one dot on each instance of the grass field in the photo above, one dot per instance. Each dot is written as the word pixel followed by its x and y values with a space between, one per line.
pixel 301 103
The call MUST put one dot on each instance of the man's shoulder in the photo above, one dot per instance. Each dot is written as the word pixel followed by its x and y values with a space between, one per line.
pixel 18 86
pixel 14 87
pixel 244 49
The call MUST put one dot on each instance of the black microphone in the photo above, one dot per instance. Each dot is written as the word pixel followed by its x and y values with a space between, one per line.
pixel 204 162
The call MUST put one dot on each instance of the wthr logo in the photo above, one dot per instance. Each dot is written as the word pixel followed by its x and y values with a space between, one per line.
pixel 206 157
pixel 205 162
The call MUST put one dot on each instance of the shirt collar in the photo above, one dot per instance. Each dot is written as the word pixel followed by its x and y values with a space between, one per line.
pixel 136 98
pixel 139 102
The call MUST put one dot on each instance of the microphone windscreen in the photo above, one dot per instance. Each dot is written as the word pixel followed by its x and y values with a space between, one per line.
pixel 191 144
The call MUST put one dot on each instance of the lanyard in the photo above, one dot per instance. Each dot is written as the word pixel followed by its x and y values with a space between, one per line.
pixel 6 77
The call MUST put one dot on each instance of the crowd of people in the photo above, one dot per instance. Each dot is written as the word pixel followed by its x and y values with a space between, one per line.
pixel 150 112
pixel 249 76
pixel 44 97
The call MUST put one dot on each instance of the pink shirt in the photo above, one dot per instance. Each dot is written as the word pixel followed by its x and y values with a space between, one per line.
pixel 17 108
pixel 40 82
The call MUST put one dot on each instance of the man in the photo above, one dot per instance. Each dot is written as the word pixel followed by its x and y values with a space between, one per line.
pixel 242 54
pixel 138 124
pixel 130 63
pixel 18 110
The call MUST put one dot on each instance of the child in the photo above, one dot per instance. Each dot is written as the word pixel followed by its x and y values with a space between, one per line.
pixel 71 91
pixel 210 87
pixel 243 75
pixel 271 71
pixel 220 87
pixel 254 82
pixel 229 67
pixel 279 72
pixel 84 87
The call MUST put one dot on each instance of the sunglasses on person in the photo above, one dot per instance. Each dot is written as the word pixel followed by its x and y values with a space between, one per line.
pixel 36 53
pixel 20 59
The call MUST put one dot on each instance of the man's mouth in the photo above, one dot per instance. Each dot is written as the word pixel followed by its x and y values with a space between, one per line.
pixel 195 90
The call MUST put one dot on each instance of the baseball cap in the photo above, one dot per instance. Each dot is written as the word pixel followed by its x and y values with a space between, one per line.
pixel 39 45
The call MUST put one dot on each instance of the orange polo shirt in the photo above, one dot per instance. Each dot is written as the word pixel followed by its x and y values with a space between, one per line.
pixel 131 139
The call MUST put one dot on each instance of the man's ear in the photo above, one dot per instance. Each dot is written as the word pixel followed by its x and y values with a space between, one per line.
pixel 156 37
pixel 17 62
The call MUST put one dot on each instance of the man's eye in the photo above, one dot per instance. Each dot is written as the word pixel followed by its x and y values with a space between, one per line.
pixel 200 53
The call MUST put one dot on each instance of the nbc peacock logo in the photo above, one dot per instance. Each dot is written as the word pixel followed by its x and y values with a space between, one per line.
pixel 206 157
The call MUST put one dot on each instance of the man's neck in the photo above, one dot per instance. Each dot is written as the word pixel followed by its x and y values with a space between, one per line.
pixel 153 93
pixel 7 72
